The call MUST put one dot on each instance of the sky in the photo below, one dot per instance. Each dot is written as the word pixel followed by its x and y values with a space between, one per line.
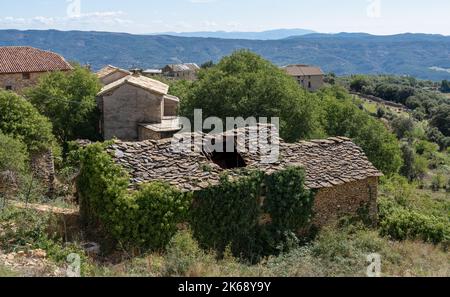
pixel 382 17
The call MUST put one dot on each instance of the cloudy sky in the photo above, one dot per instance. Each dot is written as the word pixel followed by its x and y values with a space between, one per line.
pixel 152 16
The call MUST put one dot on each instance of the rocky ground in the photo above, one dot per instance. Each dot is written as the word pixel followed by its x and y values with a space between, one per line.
pixel 31 264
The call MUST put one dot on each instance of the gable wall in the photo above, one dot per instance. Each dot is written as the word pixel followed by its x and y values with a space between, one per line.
pixel 332 203
pixel 127 107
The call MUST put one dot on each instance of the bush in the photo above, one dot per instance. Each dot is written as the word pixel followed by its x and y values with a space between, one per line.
pixel 437 182
pixel 146 218
pixel 13 154
pixel 400 223
pixel 20 120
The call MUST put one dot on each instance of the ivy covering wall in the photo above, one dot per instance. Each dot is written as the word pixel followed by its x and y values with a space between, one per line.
pixel 253 213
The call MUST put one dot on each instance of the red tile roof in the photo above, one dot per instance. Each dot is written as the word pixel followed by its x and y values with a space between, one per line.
pixel 19 59
pixel 302 70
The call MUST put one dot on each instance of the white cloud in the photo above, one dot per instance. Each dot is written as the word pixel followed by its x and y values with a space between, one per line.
pixel 93 19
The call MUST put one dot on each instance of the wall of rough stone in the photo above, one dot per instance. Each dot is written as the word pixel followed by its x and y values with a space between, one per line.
pixel 125 108
pixel 43 167
pixel 17 82
pixel 170 108
pixel 332 203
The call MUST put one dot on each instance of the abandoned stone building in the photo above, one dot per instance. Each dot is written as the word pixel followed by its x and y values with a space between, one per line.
pixel 187 71
pixel 136 107
pixel 110 74
pixel 336 168
pixel 22 66
pixel 309 77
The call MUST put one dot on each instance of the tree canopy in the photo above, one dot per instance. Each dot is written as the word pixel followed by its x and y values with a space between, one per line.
pixel 21 120
pixel 245 85
pixel 68 100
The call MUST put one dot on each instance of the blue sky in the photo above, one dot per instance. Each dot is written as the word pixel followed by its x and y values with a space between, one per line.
pixel 148 16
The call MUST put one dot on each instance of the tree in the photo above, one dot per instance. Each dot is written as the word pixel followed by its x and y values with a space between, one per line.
pixel 22 121
pixel 343 118
pixel 207 65
pixel 245 85
pixel 445 86
pixel 402 126
pixel 359 82
pixel 441 119
pixel 13 154
pixel 68 99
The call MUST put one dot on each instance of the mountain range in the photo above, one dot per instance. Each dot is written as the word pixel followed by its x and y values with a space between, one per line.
pixel 264 35
pixel 419 55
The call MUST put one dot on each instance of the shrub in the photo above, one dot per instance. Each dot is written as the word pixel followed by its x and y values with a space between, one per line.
pixel 400 223
pixel 13 154
pixel 146 218
pixel 182 253
pixel 20 120
pixel 437 182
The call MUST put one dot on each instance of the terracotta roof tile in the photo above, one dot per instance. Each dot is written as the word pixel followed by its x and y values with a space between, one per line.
pixel 19 59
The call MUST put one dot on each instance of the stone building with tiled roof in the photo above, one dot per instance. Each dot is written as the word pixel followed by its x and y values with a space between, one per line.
pixel 136 107
pixel 337 169
pixel 110 74
pixel 21 66
pixel 309 77
pixel 187 71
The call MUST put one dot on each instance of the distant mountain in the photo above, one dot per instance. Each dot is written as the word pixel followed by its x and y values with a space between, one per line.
pixel 420 55
pixel 265 35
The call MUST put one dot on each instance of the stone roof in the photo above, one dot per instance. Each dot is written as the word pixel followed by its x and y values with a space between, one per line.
pixel 328 162
pixel 23 59
pixel 139 81
pixel 302 70
pixel 183 67
pixel 108 70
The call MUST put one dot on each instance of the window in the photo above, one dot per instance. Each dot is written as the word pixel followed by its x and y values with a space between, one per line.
pixel 8 88
pixel 309 85
pixel 26 75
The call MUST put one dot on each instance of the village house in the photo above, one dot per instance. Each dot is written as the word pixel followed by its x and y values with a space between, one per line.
pixel 136 107
pixel 336 169
pixel 22 66
pixel 187 71
pixel 110 74
pixel 309 77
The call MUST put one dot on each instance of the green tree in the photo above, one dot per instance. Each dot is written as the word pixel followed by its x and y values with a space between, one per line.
pixel 68 99
pixel 22 121
pixel 441 119
pixel 245 85
pixel 343 118
pixel 445 86
pixel 13 154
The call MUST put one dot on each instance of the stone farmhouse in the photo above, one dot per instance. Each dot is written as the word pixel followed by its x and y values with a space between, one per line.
pixel 309 77
pixel 111 73
pixel 338 170
pixel 187 71
pixel 21 66
pixel 136 107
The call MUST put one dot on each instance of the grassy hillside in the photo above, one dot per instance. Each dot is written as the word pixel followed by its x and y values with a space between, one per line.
pixel 408 54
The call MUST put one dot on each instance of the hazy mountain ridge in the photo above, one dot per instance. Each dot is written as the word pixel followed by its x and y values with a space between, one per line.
pixel 344 53
pixel 264 35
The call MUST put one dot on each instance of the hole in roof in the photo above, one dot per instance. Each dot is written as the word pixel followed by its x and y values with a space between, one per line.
pixel 225 159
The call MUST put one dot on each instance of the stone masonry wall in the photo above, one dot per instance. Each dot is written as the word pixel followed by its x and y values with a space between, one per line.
pixel 126 108
pixel 43 167
pixel 332 203
pixel 17 82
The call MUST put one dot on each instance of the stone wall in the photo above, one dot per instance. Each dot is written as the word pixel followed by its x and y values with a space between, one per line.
pixel 43 167
pixel 17 81
pixel 332 203
pixel 170 108
pixel 127 107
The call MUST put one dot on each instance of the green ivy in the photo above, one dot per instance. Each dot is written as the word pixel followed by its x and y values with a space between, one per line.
pixel 146 218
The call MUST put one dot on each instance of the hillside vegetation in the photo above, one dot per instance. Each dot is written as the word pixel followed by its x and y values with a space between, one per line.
pixel 343 54
pixel 151 231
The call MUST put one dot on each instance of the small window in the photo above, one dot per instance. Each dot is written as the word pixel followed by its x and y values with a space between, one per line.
pixel 26 75
pixel 309 85
pixel 8 88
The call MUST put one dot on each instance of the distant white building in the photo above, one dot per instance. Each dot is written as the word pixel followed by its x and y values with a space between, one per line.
pixel 309 77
